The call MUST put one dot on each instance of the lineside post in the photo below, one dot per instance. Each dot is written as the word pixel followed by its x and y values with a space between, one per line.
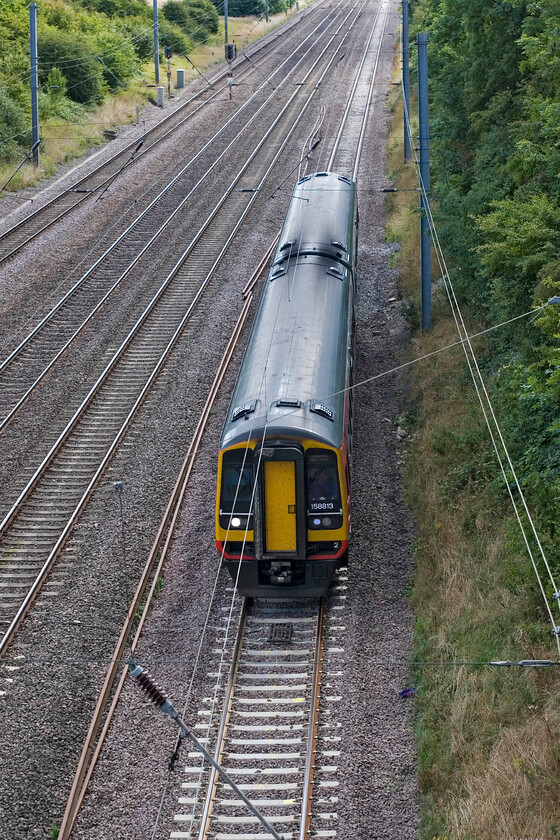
pixel 34 82
pixel 405 80
pixel 156 42
pixel 424 148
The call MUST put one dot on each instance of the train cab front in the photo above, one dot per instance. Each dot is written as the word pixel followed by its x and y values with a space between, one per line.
pixel 281 518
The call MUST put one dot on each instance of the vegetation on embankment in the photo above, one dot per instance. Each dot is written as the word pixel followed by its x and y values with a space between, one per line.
pixel 96 66
pixel 488 737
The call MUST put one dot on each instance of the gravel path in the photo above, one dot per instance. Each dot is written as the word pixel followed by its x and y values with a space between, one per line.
pixel 377 790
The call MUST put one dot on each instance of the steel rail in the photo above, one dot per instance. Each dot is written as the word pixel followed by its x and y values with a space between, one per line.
pixel 80 283
pixel 36 586
pixel 350 101
pixel 223 725
pixel 74 188
pixel 152 569
pixel 313 727
pixel 369 100
pixel 314 689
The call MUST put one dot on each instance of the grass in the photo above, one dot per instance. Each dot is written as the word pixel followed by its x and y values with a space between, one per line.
pixel 65 141
pixel 487 737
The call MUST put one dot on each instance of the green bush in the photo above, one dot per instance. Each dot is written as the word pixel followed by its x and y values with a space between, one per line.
pixel 243 8
pixel 117 57
pixel 141 36
pixel 171 36
pixel 14 128
pixel 53 102
pixel 55 85
pixel 203 19
pixel 196 18
pixel 76 60
pixel 176 11
pixel 120 8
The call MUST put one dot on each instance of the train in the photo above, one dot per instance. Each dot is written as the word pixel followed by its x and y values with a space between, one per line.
pixel 283 485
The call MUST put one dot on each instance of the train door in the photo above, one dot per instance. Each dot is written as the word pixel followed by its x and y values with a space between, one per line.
pixel 282 516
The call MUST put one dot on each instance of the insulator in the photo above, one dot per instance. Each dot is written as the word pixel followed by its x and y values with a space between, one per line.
pixel 154 692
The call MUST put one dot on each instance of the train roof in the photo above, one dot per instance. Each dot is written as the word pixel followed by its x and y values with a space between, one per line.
pixel 320 219
pixel 292 378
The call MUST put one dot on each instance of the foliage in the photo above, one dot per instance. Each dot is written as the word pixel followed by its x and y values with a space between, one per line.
pixel 243 8
pixel 120 8
pixel 76 59
pixel 196 18
pixel 495 164
pixel 495 141
pixel 14 131
pixel 520 236
pixel 277 6
pixel 171 35
pixel 87 48
pixel 141 36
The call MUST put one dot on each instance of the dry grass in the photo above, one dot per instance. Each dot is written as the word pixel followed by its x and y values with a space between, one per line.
pixel 487 737
pixel 489 752
pixel 516 794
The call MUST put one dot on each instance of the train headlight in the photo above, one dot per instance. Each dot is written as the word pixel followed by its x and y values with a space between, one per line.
pixel 316 521
pixel 235 522
pixel 327 521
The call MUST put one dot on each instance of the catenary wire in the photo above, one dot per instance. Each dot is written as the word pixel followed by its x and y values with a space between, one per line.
pixel 479 384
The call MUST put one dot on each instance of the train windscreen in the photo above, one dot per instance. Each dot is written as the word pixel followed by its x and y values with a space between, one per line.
pixel 237 488
pixel 324 505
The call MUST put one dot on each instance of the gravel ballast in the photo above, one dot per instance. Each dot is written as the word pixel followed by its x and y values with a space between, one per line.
pixel 377 794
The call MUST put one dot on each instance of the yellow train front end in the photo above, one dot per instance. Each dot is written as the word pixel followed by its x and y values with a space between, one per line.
pixel 282 516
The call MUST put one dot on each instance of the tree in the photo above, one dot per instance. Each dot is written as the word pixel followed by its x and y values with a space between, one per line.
pixel 76 59
pixel 243 8
pixel 197 18
pixel 14 127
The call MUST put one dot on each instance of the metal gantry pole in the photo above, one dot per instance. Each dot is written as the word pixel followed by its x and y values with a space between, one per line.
pixel 156 42
pixel 405 80
pixel 424 148
pixel 34 82
pixel 226 22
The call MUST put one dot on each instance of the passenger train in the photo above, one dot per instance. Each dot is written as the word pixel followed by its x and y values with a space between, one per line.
pixel 283 496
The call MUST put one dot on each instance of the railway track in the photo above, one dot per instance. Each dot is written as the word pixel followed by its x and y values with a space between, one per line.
pixel 346 150
pixel 266 734
pixel 25 368
pixel 269 722
pixel 26 230
pixel 254 764
pixel 102 715
pixel 35 528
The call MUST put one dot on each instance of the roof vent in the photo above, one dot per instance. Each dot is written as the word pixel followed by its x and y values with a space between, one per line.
pixel 243 410
pixel 288 403
pixel 323 410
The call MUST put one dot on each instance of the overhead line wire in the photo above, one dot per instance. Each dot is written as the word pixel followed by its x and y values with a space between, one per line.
pixel 480 385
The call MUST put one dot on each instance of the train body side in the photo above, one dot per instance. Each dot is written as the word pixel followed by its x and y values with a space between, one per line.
pixel 283 498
